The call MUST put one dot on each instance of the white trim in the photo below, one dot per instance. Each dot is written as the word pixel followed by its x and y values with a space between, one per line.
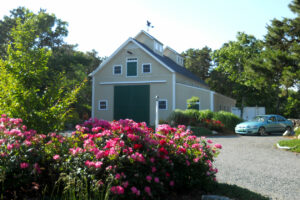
pixel 199 88
pixel 212 101
pixel 106 104
pixel 132 60
pixel 110 57
pixel 114 69
pixel 166 104
pixel 132 82
pixel 143 68
pixel 93 97
pixel 174 90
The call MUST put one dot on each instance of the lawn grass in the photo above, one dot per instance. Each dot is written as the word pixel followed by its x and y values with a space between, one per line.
pixel 291 143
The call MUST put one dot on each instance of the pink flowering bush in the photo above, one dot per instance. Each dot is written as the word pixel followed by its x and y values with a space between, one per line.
pixel 125 158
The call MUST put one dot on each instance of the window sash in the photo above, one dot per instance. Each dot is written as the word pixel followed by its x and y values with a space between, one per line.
pixel 146 68
pixel 162 104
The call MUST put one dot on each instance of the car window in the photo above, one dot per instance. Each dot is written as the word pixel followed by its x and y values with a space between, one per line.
pixel 273 119
pixel 258 119
pixel 281 119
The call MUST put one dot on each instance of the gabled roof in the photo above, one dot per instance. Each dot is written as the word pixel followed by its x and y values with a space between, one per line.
pixel 163 60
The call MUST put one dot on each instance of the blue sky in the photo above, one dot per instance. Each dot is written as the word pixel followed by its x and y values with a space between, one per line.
pixel 104 25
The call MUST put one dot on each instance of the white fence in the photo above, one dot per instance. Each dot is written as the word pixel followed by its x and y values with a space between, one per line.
pixel 249 112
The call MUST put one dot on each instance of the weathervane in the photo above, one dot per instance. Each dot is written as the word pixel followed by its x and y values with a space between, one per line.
pixel 149 25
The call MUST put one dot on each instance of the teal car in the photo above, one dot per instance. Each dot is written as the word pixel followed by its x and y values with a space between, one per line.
pixel 264 124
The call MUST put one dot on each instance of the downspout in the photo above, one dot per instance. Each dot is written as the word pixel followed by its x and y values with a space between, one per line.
pixel 212 101
pixel 93 97
pixel 174 91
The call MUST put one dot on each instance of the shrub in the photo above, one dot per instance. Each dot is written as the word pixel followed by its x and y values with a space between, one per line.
pixel 206 114
pixel 123 158
pixel 179 117
pixel 228 119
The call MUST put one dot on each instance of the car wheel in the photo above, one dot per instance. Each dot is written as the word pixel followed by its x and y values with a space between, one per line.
pixel 262 131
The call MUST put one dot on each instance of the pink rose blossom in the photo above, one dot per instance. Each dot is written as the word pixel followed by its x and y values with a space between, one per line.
pixel 56 157
pixel 24 165
pixel 148 190
pixel 148 178
pixel 209 141
pixel 172 183
pixel 156 180
pixel 153 169
pixel 219 146
pixel 98 164
pixel 134 190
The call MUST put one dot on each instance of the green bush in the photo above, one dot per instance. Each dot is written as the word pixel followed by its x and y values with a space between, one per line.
pixel 204 118
pixel 179 117
pixel 118 160
pixel 228 119
pixel 206 114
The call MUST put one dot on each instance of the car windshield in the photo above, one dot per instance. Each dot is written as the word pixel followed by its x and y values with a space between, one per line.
pixel 259 119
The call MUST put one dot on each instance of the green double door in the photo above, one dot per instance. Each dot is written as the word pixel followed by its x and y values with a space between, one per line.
pixel 133 102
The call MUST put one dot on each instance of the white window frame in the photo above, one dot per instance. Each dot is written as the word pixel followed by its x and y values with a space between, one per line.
pixel 179 60
pixel 198 103
pixel 114 69
pixel 166 104
pixel 106 104
pixel 143 68
pixel 158 47
pixel 132 60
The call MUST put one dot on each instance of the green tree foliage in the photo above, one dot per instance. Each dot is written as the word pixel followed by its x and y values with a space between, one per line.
pixel 26 90
pixel 64 61
pixel 51 30
pixel 278 67
pixel 231 74
pixel 198 61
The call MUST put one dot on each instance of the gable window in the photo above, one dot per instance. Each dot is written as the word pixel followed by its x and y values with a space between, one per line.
pixel 158 47
pixel 117 69
pixel 163 104
pixel 103 105
pixel 179 60
pixel 132 67
pixel 146 68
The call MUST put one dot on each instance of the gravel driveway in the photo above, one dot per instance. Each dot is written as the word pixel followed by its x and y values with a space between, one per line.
pixel 253 162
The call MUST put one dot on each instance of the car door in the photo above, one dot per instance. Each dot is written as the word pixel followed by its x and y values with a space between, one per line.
pixel 282 123
pixel 272 124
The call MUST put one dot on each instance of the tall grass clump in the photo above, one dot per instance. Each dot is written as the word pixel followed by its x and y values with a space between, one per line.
pixel 229 120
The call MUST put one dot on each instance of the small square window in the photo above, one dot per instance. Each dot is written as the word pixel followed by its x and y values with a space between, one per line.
pixel 103 105
pixel 146 68
pixel 117 69
pixel 162 104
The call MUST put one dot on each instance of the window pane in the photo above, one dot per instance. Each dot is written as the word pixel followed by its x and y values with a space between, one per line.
pixel 146 68
pixel 102 105
pixel 131 69
pixel 117 70
pixel 162 105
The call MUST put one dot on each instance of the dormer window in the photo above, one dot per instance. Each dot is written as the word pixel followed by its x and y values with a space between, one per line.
pixel 158 47
pixel 180 60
